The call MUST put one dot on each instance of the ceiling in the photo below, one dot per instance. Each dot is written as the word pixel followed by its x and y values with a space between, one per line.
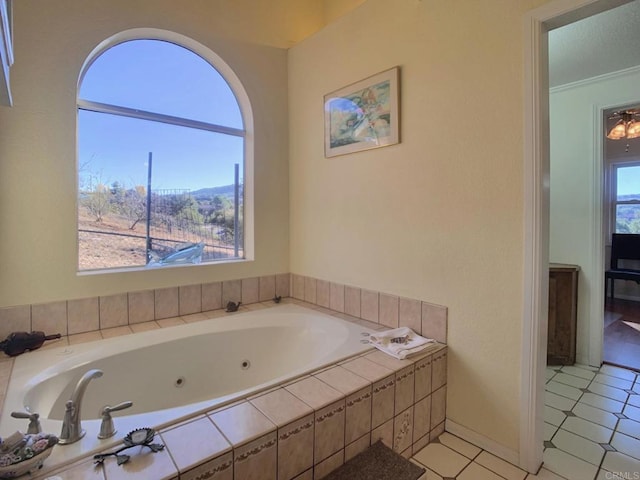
pixel 603 43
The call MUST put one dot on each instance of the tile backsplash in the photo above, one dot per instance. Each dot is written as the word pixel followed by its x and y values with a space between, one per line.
pixel 77 316
pixel 101 313
pixel 392 311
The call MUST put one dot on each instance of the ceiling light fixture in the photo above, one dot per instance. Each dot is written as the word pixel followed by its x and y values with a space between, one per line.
pixel 626 127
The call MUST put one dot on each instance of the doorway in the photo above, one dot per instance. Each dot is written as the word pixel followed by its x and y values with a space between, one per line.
pixel 621 206
pixel 536 212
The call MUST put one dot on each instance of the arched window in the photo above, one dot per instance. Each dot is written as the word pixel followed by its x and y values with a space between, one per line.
pixel 161 158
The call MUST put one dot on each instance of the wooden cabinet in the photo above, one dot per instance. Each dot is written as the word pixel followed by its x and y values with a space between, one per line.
pixel 563 314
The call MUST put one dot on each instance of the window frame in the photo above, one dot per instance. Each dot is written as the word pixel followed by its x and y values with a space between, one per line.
pixel 246 132
pixel 613 192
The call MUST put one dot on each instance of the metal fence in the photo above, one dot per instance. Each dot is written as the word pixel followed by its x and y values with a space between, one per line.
pixel 171 219
pixel 176 217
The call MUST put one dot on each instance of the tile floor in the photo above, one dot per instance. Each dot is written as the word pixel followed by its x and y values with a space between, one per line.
pixel 592 432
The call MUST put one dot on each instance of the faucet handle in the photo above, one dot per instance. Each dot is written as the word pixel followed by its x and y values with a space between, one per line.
pixel 34 422
pixel 107 428
pixel 115 408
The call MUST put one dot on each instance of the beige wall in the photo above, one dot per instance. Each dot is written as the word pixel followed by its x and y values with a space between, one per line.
pixel 37 140
pixel 438 217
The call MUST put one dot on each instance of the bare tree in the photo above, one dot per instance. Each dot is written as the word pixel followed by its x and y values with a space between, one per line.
pixel 97 201
pixel 134 205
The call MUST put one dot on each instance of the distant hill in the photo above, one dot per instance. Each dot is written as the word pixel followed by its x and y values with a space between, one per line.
pixel 624 198
pixel 224 191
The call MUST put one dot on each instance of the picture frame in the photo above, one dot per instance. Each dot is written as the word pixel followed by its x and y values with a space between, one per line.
pixel 363 115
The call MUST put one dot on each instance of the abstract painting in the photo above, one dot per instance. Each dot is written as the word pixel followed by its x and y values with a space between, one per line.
pixel 363 115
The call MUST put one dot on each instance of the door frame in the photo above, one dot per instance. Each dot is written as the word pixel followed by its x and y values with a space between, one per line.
pixel 536 172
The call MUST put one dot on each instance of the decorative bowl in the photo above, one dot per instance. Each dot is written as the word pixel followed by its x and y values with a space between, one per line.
pixel 21 454
pixel 30 465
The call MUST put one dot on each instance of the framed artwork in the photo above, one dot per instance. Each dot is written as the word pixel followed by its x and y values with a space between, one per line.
pixel 363 115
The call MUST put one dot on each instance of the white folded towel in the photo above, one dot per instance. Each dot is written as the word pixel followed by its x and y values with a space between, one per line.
pixel 400 342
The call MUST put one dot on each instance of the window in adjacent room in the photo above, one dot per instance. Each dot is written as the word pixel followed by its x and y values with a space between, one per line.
pixel 626 198
pixel 161 159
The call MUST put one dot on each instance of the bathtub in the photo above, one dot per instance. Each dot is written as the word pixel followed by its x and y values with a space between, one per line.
pixel 174 373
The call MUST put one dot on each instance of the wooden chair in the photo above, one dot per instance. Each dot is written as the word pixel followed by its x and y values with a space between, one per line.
pixel 624 246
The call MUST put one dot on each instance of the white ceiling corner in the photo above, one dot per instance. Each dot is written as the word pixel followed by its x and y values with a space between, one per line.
pixel 604 43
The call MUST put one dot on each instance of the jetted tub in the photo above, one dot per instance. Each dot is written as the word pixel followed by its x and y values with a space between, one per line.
pixel 174 373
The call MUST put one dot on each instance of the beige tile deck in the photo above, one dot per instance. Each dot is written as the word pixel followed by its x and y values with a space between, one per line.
pixel 194 442
pixel 281 406
pixel 242 423
pixel 314 392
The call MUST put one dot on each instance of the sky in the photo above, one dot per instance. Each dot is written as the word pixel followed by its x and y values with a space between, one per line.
pixel 628 181
pixel 159 77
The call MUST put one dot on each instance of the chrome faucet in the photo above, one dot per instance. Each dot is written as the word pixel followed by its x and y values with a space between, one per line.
pixel 71 427
pixel 107 428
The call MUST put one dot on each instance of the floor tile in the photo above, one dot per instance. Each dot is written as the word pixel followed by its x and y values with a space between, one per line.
pixel 568 466
pixel 589 430
pixel 634 400
pixel 608 391
pixel 618 372
pixel 632 412
pixel 564 390
pixel 544 474
pixel 429 474
pixel 442 460
pixel 613 381
pixel 499 466
pixel 478 472
pixel 603 403
pixel 554 416
pixel 593 418
pixel 578 447
pixel 572 380
pixel 459 445
pixel 579 372
pixel 586 367
pixel 558 402
pixel 625 444
pixel 620 463
pixel 549 431
pixel 595 415
pixel 629 427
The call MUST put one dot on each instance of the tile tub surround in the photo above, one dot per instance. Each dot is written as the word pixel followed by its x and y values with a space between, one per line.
pixel 300 430
pixel 108 312
pixel 403 423
pixel 122 313
pixel 18 318
pixel 390 311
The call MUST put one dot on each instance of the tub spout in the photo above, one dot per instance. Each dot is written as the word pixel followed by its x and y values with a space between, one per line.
pixel 71 427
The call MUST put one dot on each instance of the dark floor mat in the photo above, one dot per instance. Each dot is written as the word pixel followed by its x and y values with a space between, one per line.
pixel 378 462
